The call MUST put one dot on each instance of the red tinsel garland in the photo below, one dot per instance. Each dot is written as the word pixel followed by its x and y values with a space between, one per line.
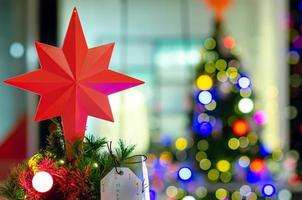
pixel 69 184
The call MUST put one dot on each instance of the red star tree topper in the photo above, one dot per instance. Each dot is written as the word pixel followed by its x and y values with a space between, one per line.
pixel 74 81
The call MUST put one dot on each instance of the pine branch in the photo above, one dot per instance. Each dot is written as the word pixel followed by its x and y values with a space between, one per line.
pixel 123 152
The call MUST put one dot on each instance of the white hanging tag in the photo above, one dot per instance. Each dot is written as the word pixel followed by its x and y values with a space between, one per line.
pixel 125 186
pixel 145 180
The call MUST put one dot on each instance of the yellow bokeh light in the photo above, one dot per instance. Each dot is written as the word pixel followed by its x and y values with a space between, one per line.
pixel 221 64
pixel 171 191
pixel 226 177
pixel 203 145
pixel 165 157
pixel 210 67
pixel 244 142
pixel 253 138
pixel 204 82
pixel 213 175
pixel 221 193
pixel 201 192
pixel 232 72
pixel 205 164
pixel 222 76
pixel 236 196
pixel 201 155
pixel 234 143
pixel 211 106
pixel 245 93
pixel 181 143
pixel 223 165
pixel 252 196
pixel 277 155
pixel 210 43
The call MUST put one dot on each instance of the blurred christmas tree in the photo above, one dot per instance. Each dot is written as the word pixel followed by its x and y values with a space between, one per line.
pixel 224 157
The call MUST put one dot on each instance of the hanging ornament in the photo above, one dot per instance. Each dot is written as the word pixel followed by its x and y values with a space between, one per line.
pixel 74 81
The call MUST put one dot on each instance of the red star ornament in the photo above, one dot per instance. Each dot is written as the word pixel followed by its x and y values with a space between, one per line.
pixel 74 81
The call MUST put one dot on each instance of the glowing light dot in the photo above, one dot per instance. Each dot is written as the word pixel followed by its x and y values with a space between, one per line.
pixel 260 117
pixel 233 143
pixel 16 50
pixel 211 106
pixel 205 97
pixel 185 173
pixel 42 182
pixel 268 190
pixel 210 43
pixel 203 145
pixel 221 193
pixel 285 194
pixel 223 165
pixel 229 42
pixel 257 166
pixel 165 157
pixel 171 191
pixel 245 93
pixel 213 174
pixel 245 190
pixel 236 196
pixel 246 105
pixel 205 164
pixel 240 127
pixel 204 82
pixel 181 144
pixel 226 177
pixel 210 67
pixel 244 82
pixel 244 161
pixel 201 192
pixel 188 198
pixel 221 64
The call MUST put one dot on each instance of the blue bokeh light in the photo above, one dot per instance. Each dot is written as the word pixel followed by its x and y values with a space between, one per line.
pixel 268 190
pixel 205 97
pixel 243 82
pixel 185 173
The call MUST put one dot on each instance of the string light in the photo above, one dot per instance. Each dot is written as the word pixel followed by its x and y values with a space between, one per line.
pixel 223 165
pixel 268 190
pixel 185 173
pixel 229 42
pixel 205 97
pixel 204 82
pixel 181 143
pixel 42 182
pixel 240 127
pixel 246 105
pixel 257 166
pixel 244 82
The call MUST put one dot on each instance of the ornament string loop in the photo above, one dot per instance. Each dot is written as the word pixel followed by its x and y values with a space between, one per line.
pixel 117 164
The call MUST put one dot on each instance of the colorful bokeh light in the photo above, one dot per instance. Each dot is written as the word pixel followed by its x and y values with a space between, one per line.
pixel 257 166
pixel 204 82
pixel 205 97
pixel 240 127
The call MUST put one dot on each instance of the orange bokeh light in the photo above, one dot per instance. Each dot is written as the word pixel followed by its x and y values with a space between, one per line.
pixel 229 42
pixel 240 127
pixel 257 166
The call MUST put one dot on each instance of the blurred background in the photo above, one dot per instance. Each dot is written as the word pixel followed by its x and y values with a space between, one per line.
pixel 160 42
